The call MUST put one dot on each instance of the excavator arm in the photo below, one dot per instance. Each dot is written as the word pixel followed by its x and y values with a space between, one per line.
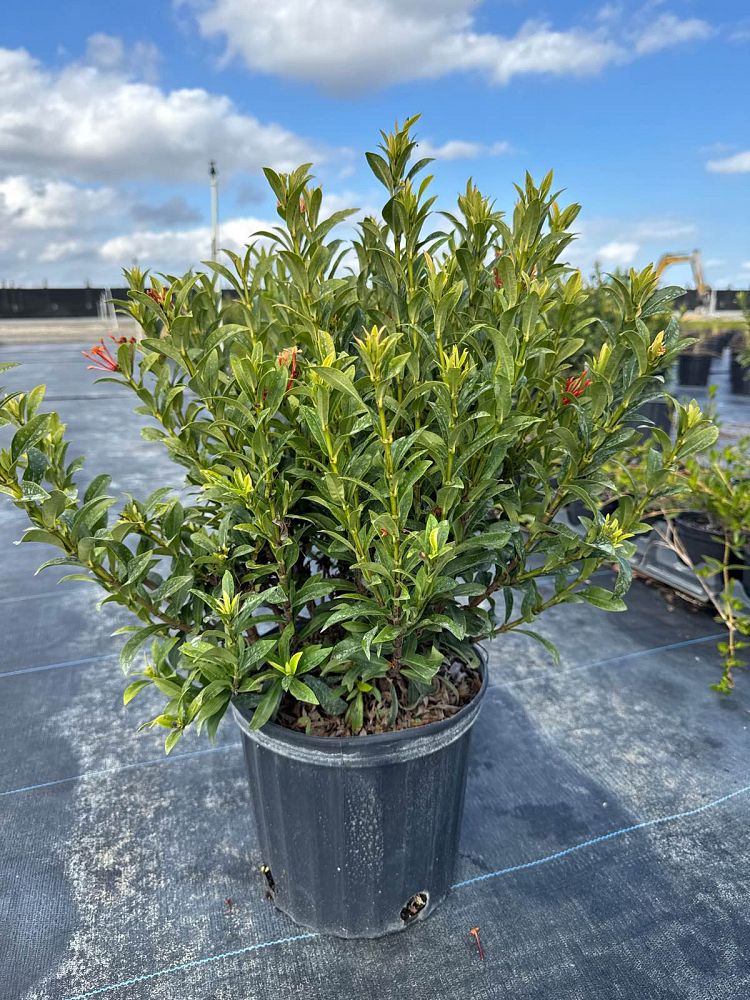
pixel 694 259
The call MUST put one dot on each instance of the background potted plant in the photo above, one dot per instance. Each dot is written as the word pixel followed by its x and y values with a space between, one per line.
pixel 713 538
pixel 597 319
pixel 373 458
pixel 739 371
pixel 694 362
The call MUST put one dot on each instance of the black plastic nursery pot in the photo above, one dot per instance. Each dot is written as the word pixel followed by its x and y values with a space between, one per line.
pixel 739 377
pixel 699 540
pixel 359 835
pixel 659 412
pixel 693 369
pixel 718 341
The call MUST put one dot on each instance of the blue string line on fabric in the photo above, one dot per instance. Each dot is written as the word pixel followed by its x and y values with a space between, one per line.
pixel 30 597
pixel 58 666
pixel 600 840
pixel 191 965
pixel 123 767
pixel 133 981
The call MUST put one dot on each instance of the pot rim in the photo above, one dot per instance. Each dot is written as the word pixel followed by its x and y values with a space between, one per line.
pixel 371 749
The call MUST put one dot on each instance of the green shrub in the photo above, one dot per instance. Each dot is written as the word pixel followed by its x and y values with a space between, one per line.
pixel 717 485
pixel 374 455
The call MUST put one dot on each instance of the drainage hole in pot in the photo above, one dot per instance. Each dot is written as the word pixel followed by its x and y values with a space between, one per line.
pixel 270 884
pixel 414 906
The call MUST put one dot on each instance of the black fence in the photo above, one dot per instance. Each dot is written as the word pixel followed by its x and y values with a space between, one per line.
pixel 54 303
pixel 77 303
pixel 727 299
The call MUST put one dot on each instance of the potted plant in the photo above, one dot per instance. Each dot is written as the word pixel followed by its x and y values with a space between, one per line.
pixel 713 538
pixel 739 363
pixel 694 363
pixel 375 459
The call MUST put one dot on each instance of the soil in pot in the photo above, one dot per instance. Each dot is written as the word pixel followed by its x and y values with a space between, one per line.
pixel 739 377
pixel 453 688
pixel 359 835
pixel 693 369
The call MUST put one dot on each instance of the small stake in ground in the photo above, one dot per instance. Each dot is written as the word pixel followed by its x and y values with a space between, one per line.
pixel 475 934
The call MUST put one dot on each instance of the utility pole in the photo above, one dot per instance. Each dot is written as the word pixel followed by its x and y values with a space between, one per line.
pixel 214 209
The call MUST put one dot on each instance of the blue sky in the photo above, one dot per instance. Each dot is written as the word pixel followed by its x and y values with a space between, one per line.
pixel 108 116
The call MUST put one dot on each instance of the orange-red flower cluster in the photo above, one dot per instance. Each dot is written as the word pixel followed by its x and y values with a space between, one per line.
pixel 103 361
pixel 575 386
pixel 158 297
pixel 289 357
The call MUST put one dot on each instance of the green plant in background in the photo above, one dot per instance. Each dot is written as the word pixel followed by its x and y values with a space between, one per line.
pixel 741 340
pixel 597 317
pixel 718 487
pixel 373 457
pixel 714 486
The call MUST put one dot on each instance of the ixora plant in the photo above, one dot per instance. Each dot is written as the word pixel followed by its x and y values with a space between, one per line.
pixel 375 455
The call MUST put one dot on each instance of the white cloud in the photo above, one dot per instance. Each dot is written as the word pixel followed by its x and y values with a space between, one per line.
pixel 64 250
pixel 348 46
pixel 178 250
pixel 49 205
pixel 661 229
pixel 461 149
pixel 617 253
pixel 745 265
pixel 739 163
pixel 96 124
pixel 109 53
pixel 667 30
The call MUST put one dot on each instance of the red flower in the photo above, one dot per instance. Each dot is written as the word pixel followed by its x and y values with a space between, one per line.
pixel 285 357
pixel 103 360
pixel 158 297
pixel 101 356
pixel 576 385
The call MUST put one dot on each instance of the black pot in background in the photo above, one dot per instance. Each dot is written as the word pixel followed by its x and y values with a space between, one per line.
pixel 700 542
pixel 739 377
pixel 659 412
pixel 697 538
pixel 693 369
pixel 360 834
pixel 718 341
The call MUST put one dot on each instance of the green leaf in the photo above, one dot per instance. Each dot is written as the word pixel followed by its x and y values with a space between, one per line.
pixel 549 646
pixel 299 690
pixel 267 706
pixel 329 702
pixel 601 598
pixel 132 690
pixel 338 380
pixel 33 492
pixel 40 535
pixel 28 435
pixel 129 651
pixel 172 739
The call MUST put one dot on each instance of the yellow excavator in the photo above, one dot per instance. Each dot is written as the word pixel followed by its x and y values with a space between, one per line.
pixel 694 260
